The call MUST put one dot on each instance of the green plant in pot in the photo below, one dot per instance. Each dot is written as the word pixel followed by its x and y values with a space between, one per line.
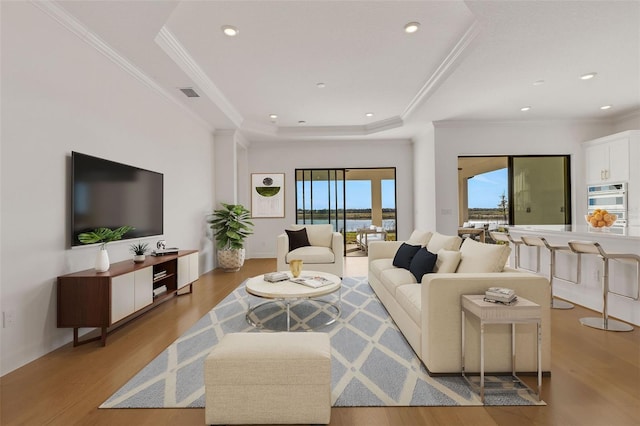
pixel 139 251
pixel 231 226
pixel 103 236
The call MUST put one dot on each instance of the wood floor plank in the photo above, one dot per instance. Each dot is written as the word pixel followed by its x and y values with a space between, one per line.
pixel 595 374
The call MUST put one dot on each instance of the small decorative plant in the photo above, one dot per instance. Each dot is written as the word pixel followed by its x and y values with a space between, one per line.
pixel 104 235
pixel 231 226
pixel 139 249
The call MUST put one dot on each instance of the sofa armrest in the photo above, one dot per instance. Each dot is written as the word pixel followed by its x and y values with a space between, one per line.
pixel 383 249
pixel 282 248
pixel 441 311
pixel 337 245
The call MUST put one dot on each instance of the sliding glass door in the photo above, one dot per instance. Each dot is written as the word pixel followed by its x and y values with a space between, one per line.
pixel 320 197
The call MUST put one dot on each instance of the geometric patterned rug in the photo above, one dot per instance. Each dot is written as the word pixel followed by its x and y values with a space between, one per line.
pixel 372 364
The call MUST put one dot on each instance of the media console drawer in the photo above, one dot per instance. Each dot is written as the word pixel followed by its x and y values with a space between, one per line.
pixel 109 299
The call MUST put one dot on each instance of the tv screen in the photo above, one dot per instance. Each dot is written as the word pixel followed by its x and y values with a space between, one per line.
pixel 106 194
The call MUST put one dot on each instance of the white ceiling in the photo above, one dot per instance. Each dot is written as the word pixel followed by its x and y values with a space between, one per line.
pixel 473 60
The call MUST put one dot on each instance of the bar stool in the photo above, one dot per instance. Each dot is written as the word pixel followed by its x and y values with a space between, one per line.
pixel 604 323
pixel 538 242
pixel 505 237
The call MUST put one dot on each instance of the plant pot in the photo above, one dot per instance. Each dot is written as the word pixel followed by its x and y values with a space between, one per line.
pixel 139 258
pixel 231 260
pixel 102 260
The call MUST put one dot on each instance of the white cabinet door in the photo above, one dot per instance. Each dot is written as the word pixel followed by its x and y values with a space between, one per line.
pixel 618 160
pixel 143 293
pixel 187 269
pixel 597 159
pixel 122 296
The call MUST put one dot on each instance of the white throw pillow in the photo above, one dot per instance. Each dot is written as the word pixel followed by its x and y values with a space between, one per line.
pixel 481 257
pixel 447 261
pixel 447 242
pixel 419 238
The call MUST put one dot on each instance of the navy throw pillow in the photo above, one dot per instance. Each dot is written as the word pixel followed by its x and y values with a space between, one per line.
pixel 422 263
pixel 404 255
pixel 298 238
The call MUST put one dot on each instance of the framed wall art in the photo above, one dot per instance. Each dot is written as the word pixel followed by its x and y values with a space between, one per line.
pixel 267 195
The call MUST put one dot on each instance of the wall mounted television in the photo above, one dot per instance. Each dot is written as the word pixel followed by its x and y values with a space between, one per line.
pixel 109 194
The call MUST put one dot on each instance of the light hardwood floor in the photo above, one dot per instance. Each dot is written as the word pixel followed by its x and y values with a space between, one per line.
pixel 595 375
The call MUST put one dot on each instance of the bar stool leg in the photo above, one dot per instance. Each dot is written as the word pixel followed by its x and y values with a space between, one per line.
pixel 556 304
pixel 605 323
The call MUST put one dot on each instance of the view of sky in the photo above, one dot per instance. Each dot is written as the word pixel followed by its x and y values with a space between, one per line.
pixel 358 194
pixel 486 189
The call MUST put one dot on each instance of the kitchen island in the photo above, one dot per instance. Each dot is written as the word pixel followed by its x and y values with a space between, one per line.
pixel 623 275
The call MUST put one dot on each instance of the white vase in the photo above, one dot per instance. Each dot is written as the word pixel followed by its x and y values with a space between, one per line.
pixel 138 258
pixel 102 260
pixel 231 260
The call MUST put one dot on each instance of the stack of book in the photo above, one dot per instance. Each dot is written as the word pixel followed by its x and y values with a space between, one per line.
pixel 159 291
pixel 159 275
pixel 500 295
pixel 274 277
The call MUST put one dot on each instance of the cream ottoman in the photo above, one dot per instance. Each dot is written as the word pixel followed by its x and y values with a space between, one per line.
pixel 269 378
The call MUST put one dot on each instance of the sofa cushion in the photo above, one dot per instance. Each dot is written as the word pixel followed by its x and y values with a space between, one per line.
pixel 482 257
pixel 319 235
pixel 297 238
pixel 440 241
pixel 409 297
pixel 311 255
pixel 422 263
pixel 403 256
pixel 379 265
pixel 391 279
pixel 419 238
pixel 447 261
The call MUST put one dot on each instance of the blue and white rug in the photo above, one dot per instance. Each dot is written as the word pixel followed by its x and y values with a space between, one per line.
pixel 372 363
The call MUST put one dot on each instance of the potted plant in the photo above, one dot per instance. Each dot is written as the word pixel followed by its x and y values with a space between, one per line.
pixel 139 251
pixel 103 236
pixel 231 226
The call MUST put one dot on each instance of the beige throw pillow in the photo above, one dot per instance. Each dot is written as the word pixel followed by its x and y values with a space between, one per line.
pixel 481 257
pixel 440 241
pixel 419 238
pixel 447 261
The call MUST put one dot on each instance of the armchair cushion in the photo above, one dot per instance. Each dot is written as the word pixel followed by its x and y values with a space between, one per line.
pixel 297 238
pixel 403 256
pixel 319 235
pixel 422 263
pixel 312 255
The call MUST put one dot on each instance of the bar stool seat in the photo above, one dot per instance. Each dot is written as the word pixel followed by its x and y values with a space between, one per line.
pixel 507 238
pixel 604 323
pixel 538 242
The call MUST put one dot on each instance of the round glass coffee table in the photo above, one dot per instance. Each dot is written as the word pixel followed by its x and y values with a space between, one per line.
pixel 287 293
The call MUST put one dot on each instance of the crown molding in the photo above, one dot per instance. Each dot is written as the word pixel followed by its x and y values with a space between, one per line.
pixel 68 21
pixel 517 123
pixel 444 69
pixel 172 47
pixel 308 132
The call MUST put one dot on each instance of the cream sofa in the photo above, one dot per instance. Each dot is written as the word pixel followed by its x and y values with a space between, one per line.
pixel 429 314
pixel 325 252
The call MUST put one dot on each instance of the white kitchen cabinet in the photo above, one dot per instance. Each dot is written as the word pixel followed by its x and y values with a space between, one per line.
pixel 607 160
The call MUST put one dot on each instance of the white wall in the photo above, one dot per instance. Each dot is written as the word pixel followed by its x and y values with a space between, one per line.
pixel 453 139
pixel 59 95
pixel 286 157
pixel 627 122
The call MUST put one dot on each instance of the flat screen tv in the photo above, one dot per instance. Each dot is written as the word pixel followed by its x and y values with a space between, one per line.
pixel 106 194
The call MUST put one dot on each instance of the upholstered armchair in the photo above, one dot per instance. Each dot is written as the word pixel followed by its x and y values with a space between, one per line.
pixel 318 246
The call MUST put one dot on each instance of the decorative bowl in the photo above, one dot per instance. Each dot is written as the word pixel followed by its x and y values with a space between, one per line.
pixel 600 219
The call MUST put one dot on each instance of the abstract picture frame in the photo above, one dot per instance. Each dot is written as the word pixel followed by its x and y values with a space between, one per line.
pixel 267 195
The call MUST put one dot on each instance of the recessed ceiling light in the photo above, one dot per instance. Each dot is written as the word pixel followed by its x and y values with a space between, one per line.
pixel 606 106
pixel 369 114
pixel 411 27
pixel 301 123
pixel 588 76
pixel 230 30
pixel 538 82
pixel 273 116
pixel 525 108
pixel 321 85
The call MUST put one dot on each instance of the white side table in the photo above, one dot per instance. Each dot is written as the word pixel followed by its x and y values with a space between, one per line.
pixel 521 312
